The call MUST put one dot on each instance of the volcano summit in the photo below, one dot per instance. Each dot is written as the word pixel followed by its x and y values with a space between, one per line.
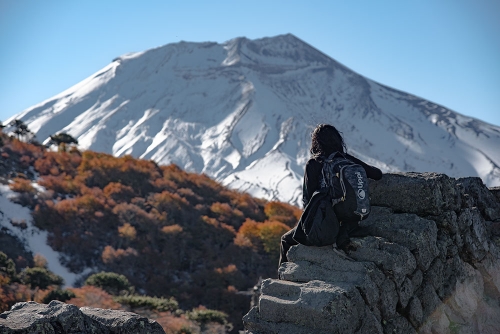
pixel 242 112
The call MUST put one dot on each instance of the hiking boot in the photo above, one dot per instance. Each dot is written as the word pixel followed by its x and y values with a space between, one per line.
pixel 342 238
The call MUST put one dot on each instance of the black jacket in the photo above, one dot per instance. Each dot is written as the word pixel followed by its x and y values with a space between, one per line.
pixel 312 176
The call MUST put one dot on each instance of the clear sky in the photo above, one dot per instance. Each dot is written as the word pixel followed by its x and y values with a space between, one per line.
pixel 446 51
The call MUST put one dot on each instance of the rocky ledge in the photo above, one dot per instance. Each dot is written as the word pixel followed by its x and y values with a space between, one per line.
pixel 430 263
pixel 57 317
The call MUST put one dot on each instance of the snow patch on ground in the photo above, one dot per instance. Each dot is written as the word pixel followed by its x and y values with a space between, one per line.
pixel 34 239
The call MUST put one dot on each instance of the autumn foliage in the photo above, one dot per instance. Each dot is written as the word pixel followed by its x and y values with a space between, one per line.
pixel 169 232
pixel 21 185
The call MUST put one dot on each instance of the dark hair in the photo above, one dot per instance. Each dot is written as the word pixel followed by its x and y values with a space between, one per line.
pixel 326 139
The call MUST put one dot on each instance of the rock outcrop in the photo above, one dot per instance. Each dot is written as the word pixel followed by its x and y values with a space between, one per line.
pixel 429 263
pixel 57 317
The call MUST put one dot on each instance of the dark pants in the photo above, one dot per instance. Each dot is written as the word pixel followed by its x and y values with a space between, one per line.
pixel 346 230
pixel 286 242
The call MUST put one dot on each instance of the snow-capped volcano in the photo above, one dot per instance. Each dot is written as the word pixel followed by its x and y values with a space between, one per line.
pixel 242 112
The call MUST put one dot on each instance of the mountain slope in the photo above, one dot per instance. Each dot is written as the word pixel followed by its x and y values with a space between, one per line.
pixel 242 112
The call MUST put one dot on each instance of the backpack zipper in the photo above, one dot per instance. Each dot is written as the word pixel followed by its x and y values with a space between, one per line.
pixel 341 179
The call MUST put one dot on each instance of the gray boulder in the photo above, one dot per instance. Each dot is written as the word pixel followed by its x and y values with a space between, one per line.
pixel 481 197
pixel 420 193
pixel 57 317
pixel 429 263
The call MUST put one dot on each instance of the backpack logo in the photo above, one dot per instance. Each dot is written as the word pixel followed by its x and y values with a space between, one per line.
pixel 360 180
pixel 361 194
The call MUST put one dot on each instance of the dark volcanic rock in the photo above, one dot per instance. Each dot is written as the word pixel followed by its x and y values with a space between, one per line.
pixel 430 263
pixel 422 193
pixel 60 318
pixel 481 196
pixel 496 192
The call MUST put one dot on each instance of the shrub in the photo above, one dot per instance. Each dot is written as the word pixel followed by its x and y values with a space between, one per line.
pixel 89 203
pixel 92 296
pixel 127 231
pixel 221 209
pixel 185 330
pixel 7 266
pixel 203 315
pixel 67 209
pixel 118 192
pixel 109 254
pixel 176 324
pixel 153 303
pixel 172 229
pixel 130 213
pixel 270 234
pixel 100 169
pixel 267 234
pixel 225 213
pixel 40 277
pixel 40 261
pixel 25 161
pixel 248 234
pixel 58 294
pixel 283 212
pixel 22 186
pixel 61 184
pixel 251 207
pixel 190 196
pixel 11 294
pixel 53 163
pixel 112 283
pixel 250 228
pixel 172 203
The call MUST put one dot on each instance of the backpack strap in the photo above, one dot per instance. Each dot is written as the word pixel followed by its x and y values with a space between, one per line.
pixel 327 179
pixel 333 155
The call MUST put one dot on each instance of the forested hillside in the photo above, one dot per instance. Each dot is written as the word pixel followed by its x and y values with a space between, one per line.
pixel 169 232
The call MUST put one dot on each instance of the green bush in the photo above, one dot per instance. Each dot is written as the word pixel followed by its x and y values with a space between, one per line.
pixel 41 278
pixel 207 315
pixel 60 295
pixel 7 266
pixel 110 282
pixel 153 303
pixel 185 330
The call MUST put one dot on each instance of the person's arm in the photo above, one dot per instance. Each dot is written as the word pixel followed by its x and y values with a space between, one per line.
pixel 372 172
pixel 311 180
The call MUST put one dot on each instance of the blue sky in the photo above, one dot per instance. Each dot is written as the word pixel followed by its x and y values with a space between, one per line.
pixel 446 51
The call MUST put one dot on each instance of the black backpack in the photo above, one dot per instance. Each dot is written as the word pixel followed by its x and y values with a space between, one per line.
pixel 342 197
pixel 348 184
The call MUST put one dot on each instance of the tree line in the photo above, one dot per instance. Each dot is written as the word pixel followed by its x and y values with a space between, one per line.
pixel 21 131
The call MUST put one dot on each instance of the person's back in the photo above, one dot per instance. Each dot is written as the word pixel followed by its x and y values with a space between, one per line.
pixel 326 139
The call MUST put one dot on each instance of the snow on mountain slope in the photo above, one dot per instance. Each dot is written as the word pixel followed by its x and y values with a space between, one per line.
pixel 242 112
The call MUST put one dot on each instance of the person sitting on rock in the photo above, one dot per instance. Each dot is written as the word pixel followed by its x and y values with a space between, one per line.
pixel 326 139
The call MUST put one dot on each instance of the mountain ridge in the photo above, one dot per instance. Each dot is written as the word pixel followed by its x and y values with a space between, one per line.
pixel 242 112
